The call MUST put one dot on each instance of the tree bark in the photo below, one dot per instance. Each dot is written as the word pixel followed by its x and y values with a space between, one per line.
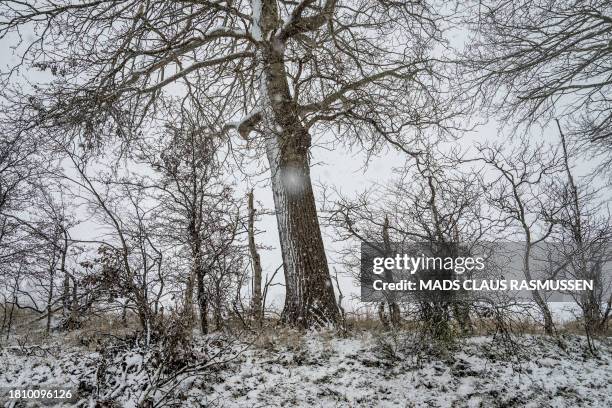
pixel 257 272
pixel 309 299
pixel 66 300
pixel 202 305
pixel 66 284
pixel 188 312
pixel 124 313
pixel 74 305
pixel 50 298
pixel 382 315
pixel 199 274
pixel 537 297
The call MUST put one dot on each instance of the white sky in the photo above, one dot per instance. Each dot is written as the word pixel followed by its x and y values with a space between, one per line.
pixel 337 167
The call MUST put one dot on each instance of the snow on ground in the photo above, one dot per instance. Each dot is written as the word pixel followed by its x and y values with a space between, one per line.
pixel 320 370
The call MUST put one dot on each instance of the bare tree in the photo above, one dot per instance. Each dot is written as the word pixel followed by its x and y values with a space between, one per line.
pixel 583 241
pixel 33 223
pixel 519 193
pixel 394 309
pixel 537 60
pixel 58 221
pixel 192 195
pixel 130 262
pixel 23 164
pixel 433 206
pixel 285 69
pixel 228 272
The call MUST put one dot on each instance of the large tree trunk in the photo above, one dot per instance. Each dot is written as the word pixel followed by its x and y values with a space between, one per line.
pixel 309 298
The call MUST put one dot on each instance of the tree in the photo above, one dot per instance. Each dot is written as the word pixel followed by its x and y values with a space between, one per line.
pixel 57 222
pixel 196 208
pixel 432 206
pixel 537 60
pixel 130 263
pixel 519 192
pixel 22 165
pixel 583 241
pixel 289 69
pixel 32 245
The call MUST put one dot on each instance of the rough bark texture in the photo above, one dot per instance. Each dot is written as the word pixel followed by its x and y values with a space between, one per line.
pixel 257 306
pixel 310 298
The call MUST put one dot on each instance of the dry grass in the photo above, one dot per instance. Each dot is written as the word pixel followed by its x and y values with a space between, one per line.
pixel 271 337
pixel 29 327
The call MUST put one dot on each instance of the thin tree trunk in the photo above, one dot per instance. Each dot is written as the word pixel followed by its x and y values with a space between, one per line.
pixel 542 305
pixel 202 303
pixel 4 313
pixel 124 313
pixel 394 310
pixel 66 283
pixel 395 314
pixel 189 298
pixel 74 311
pixel 50 299
pixel 257 272
pixel 382 315
pixel 66 301
pixel 10 319
pixel 604 319
pixel 196 277
pixel 217 313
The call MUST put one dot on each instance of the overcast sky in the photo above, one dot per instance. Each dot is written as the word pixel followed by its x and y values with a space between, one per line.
pixel 336 167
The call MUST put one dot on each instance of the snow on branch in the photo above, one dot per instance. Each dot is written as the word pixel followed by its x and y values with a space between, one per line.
pixel 246 124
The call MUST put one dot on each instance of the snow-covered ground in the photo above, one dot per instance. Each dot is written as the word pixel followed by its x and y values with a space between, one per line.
pixel 321 370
